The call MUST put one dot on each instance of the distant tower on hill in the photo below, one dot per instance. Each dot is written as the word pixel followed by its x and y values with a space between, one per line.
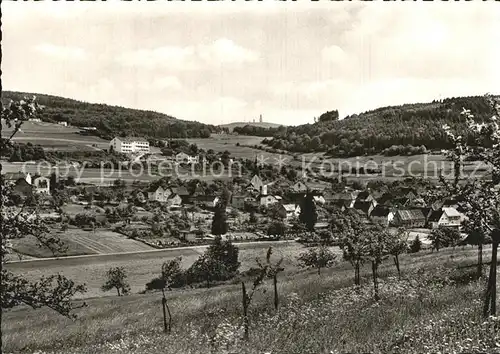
pixel 260 118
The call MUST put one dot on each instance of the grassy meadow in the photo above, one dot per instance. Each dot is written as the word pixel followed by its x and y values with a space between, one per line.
pixel 141 267
pixel 81 242
pixel 53 136
pixel 433 307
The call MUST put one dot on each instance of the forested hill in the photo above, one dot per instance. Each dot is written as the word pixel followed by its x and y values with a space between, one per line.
pixel 113 120
pixel 406 129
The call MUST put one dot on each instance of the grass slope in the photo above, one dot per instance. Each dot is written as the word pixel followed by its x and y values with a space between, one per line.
pixel 424 311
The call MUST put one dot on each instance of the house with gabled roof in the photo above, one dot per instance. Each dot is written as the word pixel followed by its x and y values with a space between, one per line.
pixel 413 218
pixel 256 184
pixel 182 192
pixel 159 194
pixel 182 157
pixel 11 178
pixel 346 198
pixel 268 200
pixel 382 215
pixel 299 187
pixel 174 200
pixel 445 217
pixel 289 211
pixel 364 206
pixel 365 196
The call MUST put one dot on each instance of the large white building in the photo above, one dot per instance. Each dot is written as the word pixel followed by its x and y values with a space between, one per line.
pixel 129 145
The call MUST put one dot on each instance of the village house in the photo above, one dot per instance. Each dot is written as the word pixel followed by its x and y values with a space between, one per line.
pixel 159 194
pixel 182 157
pixel 342 205
pixel 365 206
pixel 445 217
pixel 129 145
pixel 11 178
pixel 346 198
pixel 413 218
pixel 289 211
pixel 299 187
pixel 256 184
pixel 41 185
pixel 174 200
pixel 268 200
pixel 238 201
pixel 365 196
pixel 183 193
pixel 382 215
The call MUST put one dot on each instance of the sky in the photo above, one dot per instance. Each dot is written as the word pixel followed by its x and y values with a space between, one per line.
pixel 221 62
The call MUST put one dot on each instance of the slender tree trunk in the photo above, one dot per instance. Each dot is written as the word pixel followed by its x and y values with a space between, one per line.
pixel 245 311
pixel 357 280
pixel 375 280
pixel 163 305
pixel 490 295
pixel 118 291
pixel 276 296
pixel 319 270
pixel 480 260
pixel 169 317
pixel 396 262
pixel 494 279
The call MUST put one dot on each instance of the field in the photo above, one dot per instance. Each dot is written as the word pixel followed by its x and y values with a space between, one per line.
pixel 141 266
pixel 80 242
pixel 432 308
pixel 54 136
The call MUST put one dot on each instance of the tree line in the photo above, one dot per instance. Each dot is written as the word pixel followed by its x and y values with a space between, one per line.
pixel 407 129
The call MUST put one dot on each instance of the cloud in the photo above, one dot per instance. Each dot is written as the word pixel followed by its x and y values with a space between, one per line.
pixel 213 110
pixel 163 83
pixel 225 51
pixel 220 52
pixel 61 52
pixel 166 56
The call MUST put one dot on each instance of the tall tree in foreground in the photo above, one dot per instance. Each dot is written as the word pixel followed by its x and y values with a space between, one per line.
pixel 116 278
pixel 353 233
pixel 272 271
pixel 54 291
pixel 171 271
pixel 378 243
pixel 480 198
pixel 398 245
pixel 247 296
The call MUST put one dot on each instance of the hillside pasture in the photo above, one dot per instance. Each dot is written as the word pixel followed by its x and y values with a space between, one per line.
pixel 322 314
pixel 55 137
pixel 141 267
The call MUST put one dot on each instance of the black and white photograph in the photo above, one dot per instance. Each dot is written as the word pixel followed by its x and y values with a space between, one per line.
pixel 250 177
